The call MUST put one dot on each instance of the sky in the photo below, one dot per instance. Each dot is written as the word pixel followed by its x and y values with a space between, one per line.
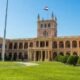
pixel 22 17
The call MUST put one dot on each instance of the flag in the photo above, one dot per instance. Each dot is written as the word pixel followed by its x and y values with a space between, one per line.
pixel 46 8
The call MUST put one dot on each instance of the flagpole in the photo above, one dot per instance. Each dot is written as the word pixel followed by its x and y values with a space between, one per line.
pixel 4 37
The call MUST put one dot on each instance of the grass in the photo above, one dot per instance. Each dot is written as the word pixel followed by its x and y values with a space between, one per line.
pixel 44 71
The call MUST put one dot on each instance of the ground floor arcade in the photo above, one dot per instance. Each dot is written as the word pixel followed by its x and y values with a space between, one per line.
pixel 35 55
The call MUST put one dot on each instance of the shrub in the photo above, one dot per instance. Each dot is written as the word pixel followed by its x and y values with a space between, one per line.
pixel 65 58
pixel 61 58
pixel 72 60
pixel 78 62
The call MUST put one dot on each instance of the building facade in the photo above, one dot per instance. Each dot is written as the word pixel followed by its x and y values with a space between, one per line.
pixel 45 47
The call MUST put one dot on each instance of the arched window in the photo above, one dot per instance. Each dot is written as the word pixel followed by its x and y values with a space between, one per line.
pixel 45 33
pixel 67 44
pixel 61 44
pixel 0 45
pixel 41 25
pixel 15 45
pixel 37 43
pixel 25 45
pixel 45 25
pixel 20 45
pixel 74 44
pixel 79 43
pixel 49 25
pixel 47 43
pixel 10 45
pixel 54 44
pixel 31 44
pixel 42 44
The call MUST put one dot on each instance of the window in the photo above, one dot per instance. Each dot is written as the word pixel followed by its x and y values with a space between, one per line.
pixel 41 25
pixel 26 45
pixel 10 45
pixel 0 45
pixel 49 25
pixel 61 44
pixel 79 43
pixel 15 45
pixel 45 33
pixel 37 44
pixel 42 44
pixel 47 43
pixel 54 45
pixel 31 44
pixel 67 44
pixel 74 44
pixel 45 25
pixel 20 45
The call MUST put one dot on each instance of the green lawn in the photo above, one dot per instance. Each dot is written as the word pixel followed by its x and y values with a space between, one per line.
pixel 44 71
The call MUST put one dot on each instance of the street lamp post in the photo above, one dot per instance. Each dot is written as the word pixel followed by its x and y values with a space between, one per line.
pixel 4 37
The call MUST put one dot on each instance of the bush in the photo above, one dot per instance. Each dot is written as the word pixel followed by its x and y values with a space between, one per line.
pixel 65 58
pixel 72 60
pixel 78 62
pixel 61 58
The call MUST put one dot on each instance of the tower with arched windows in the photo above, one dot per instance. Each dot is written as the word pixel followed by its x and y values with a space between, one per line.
pixel 47 28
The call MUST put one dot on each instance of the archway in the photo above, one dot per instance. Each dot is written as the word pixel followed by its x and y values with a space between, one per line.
pixel 61 44
pixel 75 54
pixel 9 56
pixel 25 56
pixel 0 56
pixel 61 53
pixel 54 55
pixel 21 56
pixel 43 55
pixel 38 56
pixel 67 44
pixel 15 57
pixel 68 53
pixel 54 44
pixel 74 44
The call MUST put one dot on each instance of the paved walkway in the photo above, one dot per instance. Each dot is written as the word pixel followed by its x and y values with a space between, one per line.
pixel 28 63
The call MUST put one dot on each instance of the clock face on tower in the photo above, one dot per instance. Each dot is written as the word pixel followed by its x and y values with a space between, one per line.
pixel 45 34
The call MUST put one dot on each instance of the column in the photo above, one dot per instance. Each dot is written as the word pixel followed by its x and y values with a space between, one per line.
pixel 34 55
pixel 17 56
pixel 41 55
pixel 78 47
pixel 23 45
pixel 71 47
pixel 23 56
pixel 64 44
pixel 46 55
pixel 18 45
pixel 51 55
pixel 58 44
pixel 29 56
pixel 39 44
pixel 12 56
pixel 13 46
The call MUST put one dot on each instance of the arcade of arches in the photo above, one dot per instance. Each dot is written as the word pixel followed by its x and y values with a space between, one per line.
pixel 44 50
